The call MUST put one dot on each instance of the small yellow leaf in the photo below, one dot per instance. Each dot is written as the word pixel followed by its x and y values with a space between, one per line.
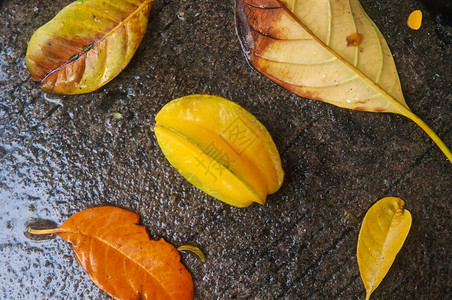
pixel 383 232
pixel 415 20
pixel 193 249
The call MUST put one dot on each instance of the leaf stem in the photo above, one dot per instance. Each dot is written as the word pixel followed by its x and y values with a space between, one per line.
pixel 407 113
pixel 43 231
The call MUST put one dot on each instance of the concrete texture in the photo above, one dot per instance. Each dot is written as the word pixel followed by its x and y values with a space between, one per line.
pixel 62 154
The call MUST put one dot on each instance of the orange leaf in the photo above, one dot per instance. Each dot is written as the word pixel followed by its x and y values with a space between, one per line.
pixel 119 257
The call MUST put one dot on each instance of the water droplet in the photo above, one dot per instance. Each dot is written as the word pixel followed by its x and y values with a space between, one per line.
pixel 50 99
pixel 349 219
pixel 181 16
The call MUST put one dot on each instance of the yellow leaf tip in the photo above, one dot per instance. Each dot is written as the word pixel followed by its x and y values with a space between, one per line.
pixel 398 205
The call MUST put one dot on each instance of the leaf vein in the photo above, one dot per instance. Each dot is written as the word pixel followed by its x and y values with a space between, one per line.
pixel 355 60
pixel 330 23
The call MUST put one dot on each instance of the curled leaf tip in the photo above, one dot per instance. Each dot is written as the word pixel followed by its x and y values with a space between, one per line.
pixel 193 249
pixel 399 206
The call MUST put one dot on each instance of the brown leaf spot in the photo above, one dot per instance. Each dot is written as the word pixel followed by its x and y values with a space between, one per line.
pixel 353 40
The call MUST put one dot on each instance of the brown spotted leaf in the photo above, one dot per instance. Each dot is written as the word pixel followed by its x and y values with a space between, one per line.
pixel 325 50
pixel 87 44
pixel 119 257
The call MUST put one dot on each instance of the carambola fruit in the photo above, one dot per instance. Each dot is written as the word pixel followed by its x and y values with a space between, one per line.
pixel 220 148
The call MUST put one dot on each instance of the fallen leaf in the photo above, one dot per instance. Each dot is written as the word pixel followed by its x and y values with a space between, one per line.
pixel 119 257
pixel 193 249
pixel 383 232
pixel 300 45
pixel 87 44
pixel 220 148
pixel 415 20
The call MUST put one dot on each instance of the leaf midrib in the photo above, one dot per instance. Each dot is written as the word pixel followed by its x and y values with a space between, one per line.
pixel 383 248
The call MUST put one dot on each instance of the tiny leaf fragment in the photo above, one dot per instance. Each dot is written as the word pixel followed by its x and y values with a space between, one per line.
pixel 415 20
pixel 193 249
pixel 117 115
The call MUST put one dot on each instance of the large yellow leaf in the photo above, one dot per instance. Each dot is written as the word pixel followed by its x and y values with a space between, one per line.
pixel 324 50
pixel 87 44
pixel 383 232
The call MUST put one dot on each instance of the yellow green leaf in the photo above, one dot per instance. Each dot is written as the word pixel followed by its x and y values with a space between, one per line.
pixel 325 50
pixel 415 20
pixel 383 232
pixel 87 44
pixel 220 148
pixel 193 249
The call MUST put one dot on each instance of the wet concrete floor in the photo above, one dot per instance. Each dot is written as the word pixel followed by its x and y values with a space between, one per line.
pixel 62 154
